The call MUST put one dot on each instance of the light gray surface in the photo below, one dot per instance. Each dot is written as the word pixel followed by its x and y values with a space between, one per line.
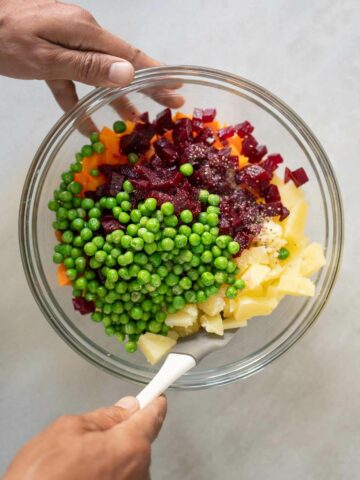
pixel 299 419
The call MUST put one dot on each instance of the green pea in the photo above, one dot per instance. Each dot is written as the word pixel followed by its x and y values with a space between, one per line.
pixel 239 284
pixel 71 273
pixel 124 217
pixel 233 247
pixel 74 187
pixel 154 326
pixel 127 186
pixel 207 278
pixel 53 205
pixel 67 236
pixel 213 199
pixel 58 258
pixel 283 253
pixel 186 216
pixel 119 126
pixel 167 208
pixel 81 283
pixel 153 225
pixel 90 249
pixel 203 196
pixel 131 347
pixel 231 292
pixel 133 158
pixel 167 244
pixel 94 137
pixel 98 147
pixel 186 169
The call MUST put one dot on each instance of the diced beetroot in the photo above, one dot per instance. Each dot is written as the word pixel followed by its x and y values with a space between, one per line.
pixel 253 150
pixel 166 150
pixel 272 162
pixel 299 176
pixel 110 224
pixel 271 194
pixel 114 183
pixel 275 209
pixel 254 176
pixel 163 121
pixel 197 125
pixel 226 132
pixel 91 194
pixel 83 306
pixel 206 135
pixel 244 129
pixel 182 132
pixel 208 115
pixel 198 114
pixel 287 175
pixel 144 117
pixel 138 141
pixel 141 184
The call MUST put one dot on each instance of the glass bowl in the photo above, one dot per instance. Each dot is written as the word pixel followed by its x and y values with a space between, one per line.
pixel 236 99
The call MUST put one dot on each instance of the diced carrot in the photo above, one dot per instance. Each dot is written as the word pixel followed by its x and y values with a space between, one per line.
pixel 236 142
pixel 214 125
pixel 58 235
pixel 168 135
pixel 89 163
pixel 110 139
pixel 179 115
pixel 62 277
pixel 243 161
pixel 94 182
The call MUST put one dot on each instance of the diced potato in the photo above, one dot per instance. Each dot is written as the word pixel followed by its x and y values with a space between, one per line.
pixel 290 194
pixel 185 331
pixel 184 318
pixel 255 275
pixel 248 307
pixel 212 324
pixel 296 285
pixel 253 292
pixel 213 305
pixel 232 323
pixel 154 347
pixel 293 265
pixel 172 334
pixel 192 310
pixel 313 259
pixel 252 256
pixel 229 308
pixel 274 273
pixel 272 291
pixel 295 223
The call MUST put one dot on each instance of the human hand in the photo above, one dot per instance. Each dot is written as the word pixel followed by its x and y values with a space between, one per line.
pixel 62 43
pixel 109 443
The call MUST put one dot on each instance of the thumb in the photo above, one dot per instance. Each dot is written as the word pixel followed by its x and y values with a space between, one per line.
pixel 146 422
pixel 108 417
pixel 92 68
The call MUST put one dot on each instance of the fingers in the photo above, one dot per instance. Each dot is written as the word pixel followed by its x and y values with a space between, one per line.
pixel 64 92
pixel 167 97
pixel 92 68
pixel 106 418
pixel 147 422
pixel 125 108
pixel 75 28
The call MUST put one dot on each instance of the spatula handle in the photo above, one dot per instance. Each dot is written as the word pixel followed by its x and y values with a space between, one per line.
pixel 175 365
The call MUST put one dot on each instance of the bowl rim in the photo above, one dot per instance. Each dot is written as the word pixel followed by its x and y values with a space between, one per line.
pixel 161 73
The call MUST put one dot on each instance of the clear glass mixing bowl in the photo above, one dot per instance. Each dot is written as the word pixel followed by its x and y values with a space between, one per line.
pixel 236 99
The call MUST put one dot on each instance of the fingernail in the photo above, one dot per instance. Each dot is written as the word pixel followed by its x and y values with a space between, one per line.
pixel 127 403
pixel 121 73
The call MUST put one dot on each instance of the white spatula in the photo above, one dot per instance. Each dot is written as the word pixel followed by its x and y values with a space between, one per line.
pixel 185 356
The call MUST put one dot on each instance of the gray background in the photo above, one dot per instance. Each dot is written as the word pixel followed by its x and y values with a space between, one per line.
pixel 299 418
